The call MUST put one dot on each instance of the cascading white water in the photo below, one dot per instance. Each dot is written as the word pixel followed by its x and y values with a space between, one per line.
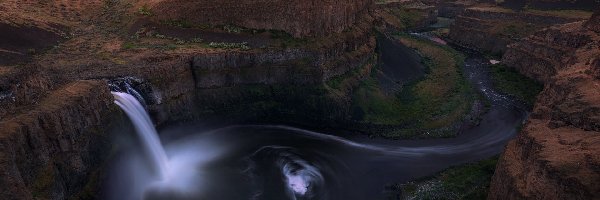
pixel 145 129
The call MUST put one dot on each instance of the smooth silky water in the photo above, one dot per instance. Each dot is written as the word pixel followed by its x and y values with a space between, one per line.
pixel 281 162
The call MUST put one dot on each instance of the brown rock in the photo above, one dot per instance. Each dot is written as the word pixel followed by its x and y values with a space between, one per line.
pixel 491 29
pixel 557 155
pixel 50 149
pixel 299 18
pixel 543 54
pixel 594 23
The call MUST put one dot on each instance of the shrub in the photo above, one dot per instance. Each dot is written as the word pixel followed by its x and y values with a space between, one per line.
pixel 225 45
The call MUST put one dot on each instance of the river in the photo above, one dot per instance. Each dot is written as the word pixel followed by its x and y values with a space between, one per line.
pixel 275 162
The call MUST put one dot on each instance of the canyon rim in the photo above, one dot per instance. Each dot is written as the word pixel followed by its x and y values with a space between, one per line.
pixel 284 99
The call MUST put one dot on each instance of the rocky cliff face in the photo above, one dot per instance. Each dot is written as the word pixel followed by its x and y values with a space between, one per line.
pixel 594 23
pixel 56 110
pixel 546 52
pixel 556 154
pixel 300 18
pixel 49 150
pixel 491 29
pixel 557 4
pixel 405 15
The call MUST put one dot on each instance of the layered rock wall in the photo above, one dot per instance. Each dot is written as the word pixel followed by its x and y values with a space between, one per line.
pixel 556 154
pixel 49 150
pixel 299 18
pixel 563 4
pixel 594 23
pixel 55 113
pixel 546 52
pixel 491 29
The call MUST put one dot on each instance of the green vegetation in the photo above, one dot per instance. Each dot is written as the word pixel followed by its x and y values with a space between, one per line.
pixel 515 29
pixel 430 106
pixel 144 10
pixel 410 17
pixel 287 40
pixel 233 29
pixel 509 81
pixel 407 17
pixel 131 45
pixel 470 181
pixel 226 45
pixel 179 23
pixel 345 80
pixel 563 13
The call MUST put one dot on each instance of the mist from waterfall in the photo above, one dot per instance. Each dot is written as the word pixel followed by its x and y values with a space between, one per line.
pixel 264 162
pixel 145 130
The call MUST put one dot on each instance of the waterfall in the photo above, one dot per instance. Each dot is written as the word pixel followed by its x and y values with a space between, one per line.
pixel 145 130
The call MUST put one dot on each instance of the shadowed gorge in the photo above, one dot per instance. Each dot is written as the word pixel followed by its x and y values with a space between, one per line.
pixel 287 99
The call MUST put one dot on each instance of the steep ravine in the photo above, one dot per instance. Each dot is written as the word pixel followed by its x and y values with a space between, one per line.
pixel 50 152
pixel 490 28
pixel 57 113
pixel 556 154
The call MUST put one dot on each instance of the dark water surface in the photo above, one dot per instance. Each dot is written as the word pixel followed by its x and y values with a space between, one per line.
pixel 280 162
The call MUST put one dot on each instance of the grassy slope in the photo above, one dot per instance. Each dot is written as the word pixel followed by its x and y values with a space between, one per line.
pixel 511 82
pixel 440 100
pixel 470 181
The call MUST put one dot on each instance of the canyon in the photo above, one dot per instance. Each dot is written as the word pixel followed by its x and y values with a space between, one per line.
pixel 289 62
pixel 492 28
pixel 555 156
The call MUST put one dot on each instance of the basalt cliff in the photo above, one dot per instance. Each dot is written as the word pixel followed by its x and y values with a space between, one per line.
pixel 299 18
pixel 490 28
pixel 193 60
pixel 283 61
pixel 556 154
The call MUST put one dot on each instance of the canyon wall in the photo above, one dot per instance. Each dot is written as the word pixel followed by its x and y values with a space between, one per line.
pixel 286 85
pixel 556 154
pixel 562 4
pixel 48 150
pixel 299 18
pixel 546 52
pixel 405 15
pixel 57 115
pixel 491 29
pixel 594 23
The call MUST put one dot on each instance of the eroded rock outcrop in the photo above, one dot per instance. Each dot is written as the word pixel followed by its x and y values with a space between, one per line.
pixel 405 15
pixel 300 18
pixel 594 23
pixel 491 29
pixel 49 150
pixel 56 109
pixel 561 4
pixel 556 154
pixel 546 52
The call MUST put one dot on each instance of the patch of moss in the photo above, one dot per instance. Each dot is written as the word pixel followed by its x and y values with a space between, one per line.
pixel 438 101
pixel 468 182
pixel 516 29
pixel 128 45
pixel 407 17
pixel 509 81
pixel 339 82
pixel 581 14
pixel 144 10
pixel 286 40
pixel 179 23
pixel 228 45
